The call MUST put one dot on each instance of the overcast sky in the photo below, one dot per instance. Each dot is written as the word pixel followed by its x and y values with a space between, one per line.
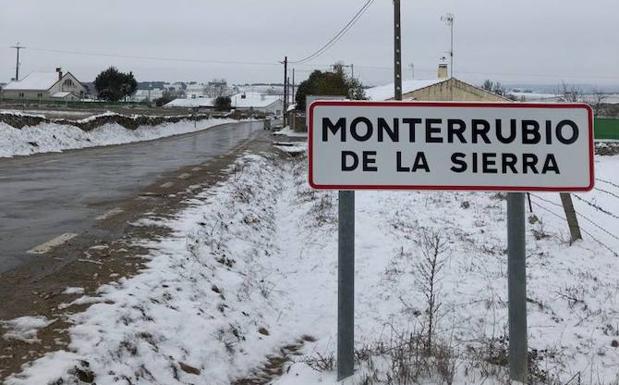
pixel 535 41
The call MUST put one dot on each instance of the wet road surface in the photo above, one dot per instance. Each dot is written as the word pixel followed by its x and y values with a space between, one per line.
pixel 46 195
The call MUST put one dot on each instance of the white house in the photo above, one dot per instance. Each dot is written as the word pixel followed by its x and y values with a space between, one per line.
pixel 252 101
pixel 45 86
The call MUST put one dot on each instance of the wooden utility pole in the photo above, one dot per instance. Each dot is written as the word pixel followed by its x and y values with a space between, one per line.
pixel 17 48
pixel 285 89
pixel 570 215
pixel 397 50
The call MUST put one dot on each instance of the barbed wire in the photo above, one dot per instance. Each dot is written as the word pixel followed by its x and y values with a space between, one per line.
pixel 597 207
pixel 607 181
pixel 580 215
pixel 583 230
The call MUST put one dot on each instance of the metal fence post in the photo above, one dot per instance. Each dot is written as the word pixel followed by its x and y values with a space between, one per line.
pixel 517 289
pixel 346 285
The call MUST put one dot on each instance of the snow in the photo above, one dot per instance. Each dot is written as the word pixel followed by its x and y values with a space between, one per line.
pixel 260 251
pixel 386 92
pixel 291 148
pixel 24 328
pixel 191 102
pixel 52 137
pixel 287 131
pixel 73 290
pixel 36 81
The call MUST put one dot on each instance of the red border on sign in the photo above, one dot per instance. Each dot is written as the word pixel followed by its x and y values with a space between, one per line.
pixel 449 104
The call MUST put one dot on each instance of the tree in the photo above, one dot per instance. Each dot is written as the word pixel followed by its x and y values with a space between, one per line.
pixel 166 98
pixel 113 85
pixel 223 103
pixel 494 87
pixel 597 102
pixel 569 93
pixel 329 83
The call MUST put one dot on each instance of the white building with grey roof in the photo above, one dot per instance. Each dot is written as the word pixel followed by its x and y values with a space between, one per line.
pixel 45 86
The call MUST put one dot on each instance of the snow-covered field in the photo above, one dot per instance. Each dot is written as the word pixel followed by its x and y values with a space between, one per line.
pixel 246 289
pixel 57 137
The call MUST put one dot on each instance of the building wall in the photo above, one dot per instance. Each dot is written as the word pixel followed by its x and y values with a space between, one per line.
pixel 453 90
pixel 22 94
pixel 68 83
pixel 62 86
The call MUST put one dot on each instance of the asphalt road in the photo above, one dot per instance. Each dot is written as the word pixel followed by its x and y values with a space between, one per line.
pixel 46 195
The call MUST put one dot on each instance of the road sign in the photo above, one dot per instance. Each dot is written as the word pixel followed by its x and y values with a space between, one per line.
pixel 450 146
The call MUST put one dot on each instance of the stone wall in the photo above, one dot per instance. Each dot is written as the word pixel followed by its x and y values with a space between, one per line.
pixel 129 122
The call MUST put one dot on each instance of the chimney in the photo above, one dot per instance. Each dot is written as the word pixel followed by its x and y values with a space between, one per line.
pixel 442 71
pixel 59 70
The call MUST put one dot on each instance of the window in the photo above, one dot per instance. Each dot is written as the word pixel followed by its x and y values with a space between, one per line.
pixel 21 94
pixel 68 83
pixel 40 95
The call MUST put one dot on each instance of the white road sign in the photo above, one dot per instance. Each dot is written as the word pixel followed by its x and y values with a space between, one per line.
pixel 450 146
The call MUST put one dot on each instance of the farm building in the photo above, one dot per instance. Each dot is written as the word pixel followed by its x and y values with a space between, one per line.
pixel 443 88
pixel 46 86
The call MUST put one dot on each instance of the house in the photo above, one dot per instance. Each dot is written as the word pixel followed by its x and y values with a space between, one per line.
pixel 443 88
pixel 253 101
pixel 146 95
pixel 46 86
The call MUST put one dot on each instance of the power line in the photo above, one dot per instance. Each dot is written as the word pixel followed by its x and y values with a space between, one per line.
pixel 298 63
pixel 156 58
pixel 337 36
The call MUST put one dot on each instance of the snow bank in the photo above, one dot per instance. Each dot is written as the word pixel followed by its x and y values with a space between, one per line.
pixel 287 131
pixel 253 267
pixel 51 137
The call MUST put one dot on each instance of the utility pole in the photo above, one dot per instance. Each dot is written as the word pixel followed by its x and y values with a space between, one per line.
pixel 413 70
pixel 292 97
pixel 288 83
pixel 449 20
pixel 17 48
pixel 397 51
pixel 285 88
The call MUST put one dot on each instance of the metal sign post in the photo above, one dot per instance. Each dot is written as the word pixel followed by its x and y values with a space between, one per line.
pixel 456 146
pixel 346 285
pixel 517 287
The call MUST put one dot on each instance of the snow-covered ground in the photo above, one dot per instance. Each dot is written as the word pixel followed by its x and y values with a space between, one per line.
pixel 246 288
pixel 52 137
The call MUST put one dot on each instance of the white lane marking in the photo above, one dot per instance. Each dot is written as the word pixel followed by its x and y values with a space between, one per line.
pixel 55 242
pixel 196 169
pixel 184 176
pixel 167 185
pixel 111 213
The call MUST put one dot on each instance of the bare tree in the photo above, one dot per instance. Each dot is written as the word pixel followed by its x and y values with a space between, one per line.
pixel 569 93
pixel 597 102
pixel 428 270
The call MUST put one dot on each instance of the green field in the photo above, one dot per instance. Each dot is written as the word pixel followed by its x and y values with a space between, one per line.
pixel 606 128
